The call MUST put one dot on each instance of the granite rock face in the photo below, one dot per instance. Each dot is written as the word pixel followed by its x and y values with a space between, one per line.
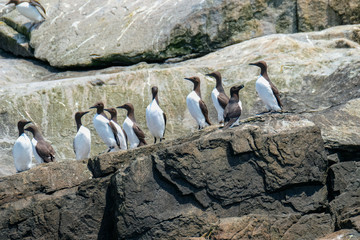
pixel 92 33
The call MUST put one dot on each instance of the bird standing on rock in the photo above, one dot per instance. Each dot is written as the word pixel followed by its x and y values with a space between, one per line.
pixel 155 117
pixel 117 130
pixel 102 127
pixel 30 9
pixel 233 110
pixel 134 134
pixel 218 96
pixel 22 150
pixel 82 140
pixel 196 105
pixel 267 91
pixel 42 150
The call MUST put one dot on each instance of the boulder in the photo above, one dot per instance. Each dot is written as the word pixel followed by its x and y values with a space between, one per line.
pixel 183 188
pixel 77 34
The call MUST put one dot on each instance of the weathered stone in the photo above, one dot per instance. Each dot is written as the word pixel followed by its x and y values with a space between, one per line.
pixel 200 180
pixel 87 34
pixel 344 234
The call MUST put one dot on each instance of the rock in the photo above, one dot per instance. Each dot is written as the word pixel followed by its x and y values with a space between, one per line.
pixel 344 234
pixel 345 190
pixel 302 64
pixel 222 174
pixel 74 28
pixel 54 201
pixel 273 227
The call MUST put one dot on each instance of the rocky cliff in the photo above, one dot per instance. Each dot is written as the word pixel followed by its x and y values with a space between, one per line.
pixel 269 178
pixel 293 175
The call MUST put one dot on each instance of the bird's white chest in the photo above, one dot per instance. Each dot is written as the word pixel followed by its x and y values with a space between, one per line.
pixel 102 127
pixel 29 11
pixel 192 101
pixel 128 128
pixel 266 94
pixel 22 153
pixel 120 135
pixel 36 155
pixel 82 143
pixel 214 96
pixel 155 119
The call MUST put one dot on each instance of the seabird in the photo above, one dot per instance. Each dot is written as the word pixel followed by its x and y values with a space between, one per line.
pixel 30 9
pixel 233 110
pixel 102 127
pixel 22 150
pixel 267 91
pixel 218 96
pixel 134 134
pixel 82 140
pixel 196 106
pixel 117 130
pixel 42 150
pixel 155 117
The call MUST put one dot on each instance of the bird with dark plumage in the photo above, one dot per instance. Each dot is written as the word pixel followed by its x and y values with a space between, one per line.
pixel 119 134
pixel 134 133
pixel 233 110
pixel 102 127
pixel 42 150
pixel 155 117
pixel 218 96
pixel 196 105
pixel 82 140
pixel 267 91
pixel 30 9
pixel 22 150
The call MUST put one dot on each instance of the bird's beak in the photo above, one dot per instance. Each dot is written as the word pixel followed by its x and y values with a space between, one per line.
pixel 122 106
pixel 254 64
pixel 27 129
pixel 209 74
pixel 85 112
pixel 241 86
pixel 189 79
pixel 28 122
pixel 92 107
pixel 106 109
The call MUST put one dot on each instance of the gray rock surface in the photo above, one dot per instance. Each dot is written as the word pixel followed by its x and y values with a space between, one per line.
pixel 95 33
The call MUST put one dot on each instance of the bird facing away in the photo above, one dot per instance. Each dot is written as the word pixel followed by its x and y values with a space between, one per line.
pixel 102 127
pixel 42 150
pixel 196 105
pixel 119 134
pixel 82 140
pixel 218 96
pixel 233 110
pixel 134 134
pixel 267 91
pixel 22 150
pixel 30 9
pixel 155 117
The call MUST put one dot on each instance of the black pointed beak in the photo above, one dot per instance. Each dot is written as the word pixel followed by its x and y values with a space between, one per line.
pixel 189 79
pixel 28 122
pixel 209 74
pixel 122 106
pixel 85 112
pixel 254 64
pixel 92 107
pixel 241 86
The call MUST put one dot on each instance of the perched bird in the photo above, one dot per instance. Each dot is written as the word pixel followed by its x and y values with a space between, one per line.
pixel 30 9
pixel 267 91
pixel 22 150
pixel 155 117
pixel 82 140
pixel 233 110
pixel 134 134
pixel 117 130
pixel 42 150
pixel 102 127
pixel 196 105
pixel 218 96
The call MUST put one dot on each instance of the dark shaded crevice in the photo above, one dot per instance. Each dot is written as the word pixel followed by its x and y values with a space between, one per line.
pixel 108 225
